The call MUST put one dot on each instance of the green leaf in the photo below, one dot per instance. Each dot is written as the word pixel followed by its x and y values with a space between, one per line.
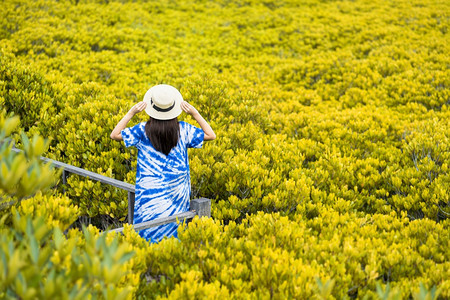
pixel 34 249
pixel 11 124
pixel 123 294
pixel 58 237
pixel 126 257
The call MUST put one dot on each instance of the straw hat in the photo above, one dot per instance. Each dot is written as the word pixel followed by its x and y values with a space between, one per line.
pixel 163 102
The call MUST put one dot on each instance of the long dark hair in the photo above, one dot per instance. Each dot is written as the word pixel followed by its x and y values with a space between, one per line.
pixel 163 134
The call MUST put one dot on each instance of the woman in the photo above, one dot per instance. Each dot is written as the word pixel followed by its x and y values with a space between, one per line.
pixel 163 184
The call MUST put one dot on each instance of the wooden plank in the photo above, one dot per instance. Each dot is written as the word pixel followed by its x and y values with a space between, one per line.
pixel 161 221
pixel 85 173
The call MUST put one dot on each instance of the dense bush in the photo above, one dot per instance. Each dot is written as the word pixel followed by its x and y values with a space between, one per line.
pixel 330 173
pixel 36 260
pixel 39 263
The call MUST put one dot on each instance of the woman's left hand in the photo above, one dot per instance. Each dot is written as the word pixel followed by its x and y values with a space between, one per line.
pixel 137 108
pixel 188 108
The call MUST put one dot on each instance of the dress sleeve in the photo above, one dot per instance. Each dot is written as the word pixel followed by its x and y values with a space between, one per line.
pixel 132 136
pixel 194 136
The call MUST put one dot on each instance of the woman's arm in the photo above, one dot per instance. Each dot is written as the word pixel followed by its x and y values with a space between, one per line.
pixel 116 133
pixel 189 109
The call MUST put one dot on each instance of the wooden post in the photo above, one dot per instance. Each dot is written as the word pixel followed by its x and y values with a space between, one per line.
pixel 202 206
pixel 65 174
pixel 131 197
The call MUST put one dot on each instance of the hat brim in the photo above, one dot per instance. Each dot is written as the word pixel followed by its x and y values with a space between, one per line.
pixel 171 114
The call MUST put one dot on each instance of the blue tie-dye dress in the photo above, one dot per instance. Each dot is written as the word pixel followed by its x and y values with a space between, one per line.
pixel 163 184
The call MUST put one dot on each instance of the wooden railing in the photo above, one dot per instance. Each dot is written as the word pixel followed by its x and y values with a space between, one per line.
pixel 199 207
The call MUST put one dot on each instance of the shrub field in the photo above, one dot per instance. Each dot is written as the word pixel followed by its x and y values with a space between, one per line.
pixel 329 177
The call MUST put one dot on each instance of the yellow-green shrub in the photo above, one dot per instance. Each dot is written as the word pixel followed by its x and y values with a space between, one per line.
pixel 325 112
pixel 42 263
pixel 268 255
pixel 349 87
pixel 22 173
pixel 57 211
pixel 37 260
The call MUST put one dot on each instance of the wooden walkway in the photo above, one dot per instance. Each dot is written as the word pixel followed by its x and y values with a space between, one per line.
pixel 199 207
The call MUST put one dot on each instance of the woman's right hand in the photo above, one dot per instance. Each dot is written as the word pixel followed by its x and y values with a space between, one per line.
pixel 137 108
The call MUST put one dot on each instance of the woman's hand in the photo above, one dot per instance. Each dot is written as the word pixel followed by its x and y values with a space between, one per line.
pixel 188 108
pixel 137 108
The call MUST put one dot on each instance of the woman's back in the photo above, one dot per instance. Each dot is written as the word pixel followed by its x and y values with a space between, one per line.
pixel 162 181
